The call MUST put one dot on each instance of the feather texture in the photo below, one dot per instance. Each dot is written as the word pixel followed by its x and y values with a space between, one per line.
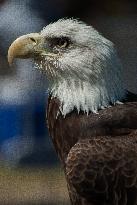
pixel 98 152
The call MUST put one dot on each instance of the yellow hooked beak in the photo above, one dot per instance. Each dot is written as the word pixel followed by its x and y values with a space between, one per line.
pixel 26 46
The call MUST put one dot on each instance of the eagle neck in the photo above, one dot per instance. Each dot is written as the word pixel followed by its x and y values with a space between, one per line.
pixel 87 96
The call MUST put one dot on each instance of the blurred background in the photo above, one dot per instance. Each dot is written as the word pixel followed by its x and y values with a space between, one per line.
pixel 30 172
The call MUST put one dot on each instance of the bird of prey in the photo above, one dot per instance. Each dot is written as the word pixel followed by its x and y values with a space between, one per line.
pixel 92 118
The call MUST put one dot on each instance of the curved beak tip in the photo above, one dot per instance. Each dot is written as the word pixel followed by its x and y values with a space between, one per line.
pixel 12 52
pixel 10 59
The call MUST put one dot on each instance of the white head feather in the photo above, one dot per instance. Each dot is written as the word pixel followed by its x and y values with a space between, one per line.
pixel 89 74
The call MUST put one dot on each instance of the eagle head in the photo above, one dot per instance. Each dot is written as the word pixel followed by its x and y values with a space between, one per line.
pixel 82 66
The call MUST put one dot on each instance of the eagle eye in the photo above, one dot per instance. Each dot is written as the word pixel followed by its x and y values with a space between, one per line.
pixel 63 42
pixel 58 43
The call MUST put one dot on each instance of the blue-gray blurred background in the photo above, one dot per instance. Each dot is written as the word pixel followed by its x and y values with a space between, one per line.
pixel 24 140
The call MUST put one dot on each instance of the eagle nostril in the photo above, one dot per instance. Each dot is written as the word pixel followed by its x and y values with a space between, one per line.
pixel 33 40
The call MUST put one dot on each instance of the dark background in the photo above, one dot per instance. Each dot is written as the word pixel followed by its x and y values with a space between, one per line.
pixel 24 140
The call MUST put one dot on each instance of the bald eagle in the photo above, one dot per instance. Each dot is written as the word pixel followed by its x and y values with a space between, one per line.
pixel 92 118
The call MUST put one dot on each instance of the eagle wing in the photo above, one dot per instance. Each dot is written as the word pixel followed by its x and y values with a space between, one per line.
pixel 103 170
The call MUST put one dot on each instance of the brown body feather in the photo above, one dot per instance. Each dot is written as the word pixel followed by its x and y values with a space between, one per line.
pixel 98 152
